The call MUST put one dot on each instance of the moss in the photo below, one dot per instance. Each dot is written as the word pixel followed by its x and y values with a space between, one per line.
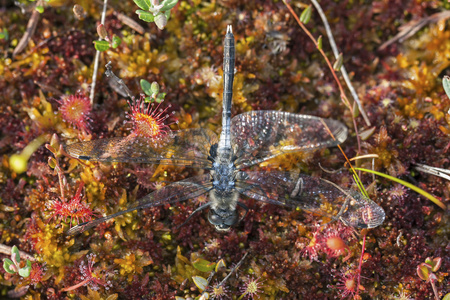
pixel 277 67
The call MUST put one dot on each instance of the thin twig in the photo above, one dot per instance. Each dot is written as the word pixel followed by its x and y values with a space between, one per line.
pixel 336 54
pixel 443 173
pixel 31 28
pixel 97 57
pixel 7 250
pixel 232 270
pixel 330 66
pixel 409 29
pixel 360 263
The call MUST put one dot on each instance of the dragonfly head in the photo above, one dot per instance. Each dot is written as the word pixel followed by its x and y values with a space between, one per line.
pixel 222 219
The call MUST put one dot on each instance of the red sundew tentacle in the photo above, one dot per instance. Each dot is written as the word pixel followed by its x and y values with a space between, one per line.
pixel 73 209
pixel 76 110
pixel 148 121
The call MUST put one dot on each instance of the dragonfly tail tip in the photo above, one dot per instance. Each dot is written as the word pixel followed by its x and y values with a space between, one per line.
pixel 229 29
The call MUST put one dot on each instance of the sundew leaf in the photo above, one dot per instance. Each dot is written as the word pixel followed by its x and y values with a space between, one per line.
pixel 143 4
pixel 145 16
pixel 101 45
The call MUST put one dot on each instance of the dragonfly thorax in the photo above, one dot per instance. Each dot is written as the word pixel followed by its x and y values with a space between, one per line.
pixel 223 173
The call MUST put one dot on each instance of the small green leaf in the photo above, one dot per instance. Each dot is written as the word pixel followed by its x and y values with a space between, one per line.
pixel 200 282
pixel 15 255
pixel 147 100
pixel 155 87
pixel 168 4
pixel 145 16
pixel 446 297
pixel 101 45
pixel 40 9
pixel 161 21
pixel 116 41
pixel 160 97
pixel 306 15
pixel 203 265
pixel 435 263
pixel 338 63
pixel 25 272
pixel 446 84
pixel 167 14
pixel 51 162
pixel 4 35
pixel 143 4
pixel 146 87
pixel 364 135
pixel 220 264
pixel 319 43
pixel 423 270
pixel 355 110
pixel 7 263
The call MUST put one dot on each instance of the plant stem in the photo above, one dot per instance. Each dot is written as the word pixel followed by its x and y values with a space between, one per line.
pixel 336 54
pixel 97 57
pixel 360 263
pixel 74 287
pixel 330 66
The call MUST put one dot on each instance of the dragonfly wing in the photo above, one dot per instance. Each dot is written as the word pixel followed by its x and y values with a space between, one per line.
pixel 311 194
pixel 188 147
pixel 257 136
pixel 175 192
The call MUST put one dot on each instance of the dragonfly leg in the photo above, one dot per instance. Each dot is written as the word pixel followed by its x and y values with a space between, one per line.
pixel 200 208
pixel 245 208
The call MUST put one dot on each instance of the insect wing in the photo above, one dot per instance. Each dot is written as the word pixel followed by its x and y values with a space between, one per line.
pixel 175 192
pixel 257 136
pixel 311 194
pixel 188 147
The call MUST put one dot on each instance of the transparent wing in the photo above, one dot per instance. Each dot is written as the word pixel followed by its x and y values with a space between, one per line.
pixel 315 195
pixel 257 136
pixel 175 192
pixel 188 147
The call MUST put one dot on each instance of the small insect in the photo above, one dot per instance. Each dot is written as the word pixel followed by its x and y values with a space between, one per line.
pixel 246 140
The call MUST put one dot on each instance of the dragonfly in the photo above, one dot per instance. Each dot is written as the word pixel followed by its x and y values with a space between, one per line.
pixel 245 141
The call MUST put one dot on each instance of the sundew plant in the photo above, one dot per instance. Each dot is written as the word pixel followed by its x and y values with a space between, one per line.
pixel 382 77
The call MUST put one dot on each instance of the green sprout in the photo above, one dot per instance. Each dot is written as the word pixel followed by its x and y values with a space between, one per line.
pixel 155 11
pixel 105 41
pixel 39 5
pixel 4 34
pixel 425 272
pixel 12 265
pixel 152 91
